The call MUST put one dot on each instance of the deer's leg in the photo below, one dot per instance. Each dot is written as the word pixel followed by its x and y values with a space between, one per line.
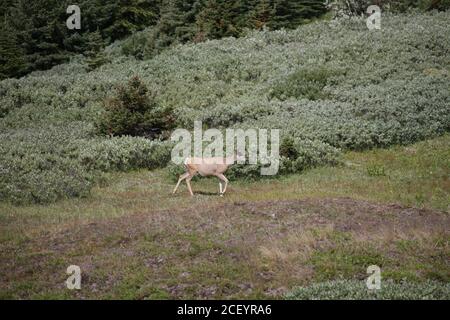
pixel 224 179
pixel 220 186
pixel 188 182
pixel 182 177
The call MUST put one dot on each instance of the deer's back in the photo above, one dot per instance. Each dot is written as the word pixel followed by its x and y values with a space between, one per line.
pixel 206 166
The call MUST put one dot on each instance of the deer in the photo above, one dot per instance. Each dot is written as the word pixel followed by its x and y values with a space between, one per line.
pixel 207 167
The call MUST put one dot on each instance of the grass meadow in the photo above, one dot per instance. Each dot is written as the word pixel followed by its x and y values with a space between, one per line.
pixel 134 240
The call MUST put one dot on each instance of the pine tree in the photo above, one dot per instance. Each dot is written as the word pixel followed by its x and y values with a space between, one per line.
pixel 12 57
pixel 95 55
pixel 262 14
pixel 213 20
pixel 128 16
pixel 177 22
pixel 236 14
pixel 291 13
pixel 133 110
pixel 282 14
pixel 305 10
pixel 187 30
pixel 40 30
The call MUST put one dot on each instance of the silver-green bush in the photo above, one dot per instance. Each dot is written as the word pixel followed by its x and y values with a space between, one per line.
pixel 357 290
pixel 43 165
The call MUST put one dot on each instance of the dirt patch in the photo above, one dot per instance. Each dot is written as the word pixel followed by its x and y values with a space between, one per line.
pixel 345 214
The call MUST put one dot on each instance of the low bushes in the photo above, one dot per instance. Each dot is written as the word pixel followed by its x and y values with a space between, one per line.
pixel 37 165
pixel 357 290
pixel 41 166
pixel 307 83
pixel 122 153
pixel 295 157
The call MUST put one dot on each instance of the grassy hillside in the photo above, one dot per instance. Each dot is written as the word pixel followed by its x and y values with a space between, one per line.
pixel 329 86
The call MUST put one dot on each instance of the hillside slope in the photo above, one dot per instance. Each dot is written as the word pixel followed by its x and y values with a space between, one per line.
pixel 328 85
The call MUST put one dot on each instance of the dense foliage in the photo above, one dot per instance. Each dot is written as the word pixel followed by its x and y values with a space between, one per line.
pixel 357 290
pixel 39 29
pixel 43 165
pixel 38 34
pixel 133 111
pixel 35 32
pixel 326 85
pixel 359 7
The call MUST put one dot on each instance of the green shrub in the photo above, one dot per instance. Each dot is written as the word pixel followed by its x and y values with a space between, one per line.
pixel 48 164
pixel 31 183
pixel 134 111
pixel 307 83
pixel 357 290
pixel 375 170
pixel 122 153
pixel 141 44
pixel 37 167
pixel 305 154
pixel 404 5
pixel 295 157
pixel 359 7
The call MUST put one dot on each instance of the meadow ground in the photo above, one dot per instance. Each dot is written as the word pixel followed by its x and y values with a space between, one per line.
pixel 133 239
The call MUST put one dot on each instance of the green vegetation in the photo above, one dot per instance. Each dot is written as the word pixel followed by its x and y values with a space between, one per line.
pixel 85 173
pixel 95 55
pixel 38 30
pixel 12 58
pixel 304 84
pixel 262 240
pixel 355 100
pixel 40 39
pixel 134 112
pixel 357 290
pixel 358 7
pixel 44 165
pixel 196 21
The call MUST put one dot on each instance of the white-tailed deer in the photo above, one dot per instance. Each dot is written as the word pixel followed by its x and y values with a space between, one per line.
pixel 207 167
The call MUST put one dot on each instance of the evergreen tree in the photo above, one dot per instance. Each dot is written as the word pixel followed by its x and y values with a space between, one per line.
pixel 41 26
pixel 129 16
pixel 237 16
pixel 40 30
pixel 12 57
pixel 133 110
pixel 305 10
pixel 190 8
pixel 176 24
pixel 214 20
pixel 262 14
pixel 291 13
pixel 95 54
pixel 282 14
